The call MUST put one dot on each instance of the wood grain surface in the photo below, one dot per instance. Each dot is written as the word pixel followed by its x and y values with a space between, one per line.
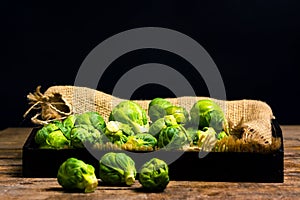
pixel 14 186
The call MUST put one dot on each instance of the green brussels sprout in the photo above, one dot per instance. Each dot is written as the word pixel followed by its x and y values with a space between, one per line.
pixel 154 175
pixel 222 135
pixel 97 121
pixel 172 137
pixel 82 135
pixel 91 119
pixel 115 126
pixel 170 120
pixel 158 125
pixel 131 113
pixel 206 113
pixel 180 114
pixel 148 139
pixel 51 136
pixel 117 169
pixel 118 132
pixel 68 124
pixel 140 141
pixel 193 135
pixel 57 140
pixel 42 134
pixel 156 108
pixel 74 174
pixel 207 138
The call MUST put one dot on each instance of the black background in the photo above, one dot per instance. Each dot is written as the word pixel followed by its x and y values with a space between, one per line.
pixel 255 44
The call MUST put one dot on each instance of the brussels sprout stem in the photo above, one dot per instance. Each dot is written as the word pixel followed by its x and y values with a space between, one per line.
pixel 91 188
pixel 129 179
pixel 91 183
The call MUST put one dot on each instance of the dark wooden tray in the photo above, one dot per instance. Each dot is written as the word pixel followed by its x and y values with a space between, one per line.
pixel 216 166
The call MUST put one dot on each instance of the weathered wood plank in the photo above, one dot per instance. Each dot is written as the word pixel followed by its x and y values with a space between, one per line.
pixel 10 154
pixel 49 189
pixel 10 162
pixel 13 138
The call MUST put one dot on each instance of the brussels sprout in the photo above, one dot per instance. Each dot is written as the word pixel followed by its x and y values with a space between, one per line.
pixel 74 174
pixel 170 120
pixel 172 137
pixel 148 139
pixel 156 108
pixel 51 136
pixel 91 119
pixel 115 126
pixel 222 135
pixel 154 175
pixel 97 121
pixel 206 113
pixel 76 129
pixel 158 125
pixel 180 114
pixel 117 169
pixel 82 135
pixel 57 140
pixel 42 134
pixel 68 124
pixel 193 135
pixel 140 141
pixel 118 132
pixel 207 138
pixel 130 113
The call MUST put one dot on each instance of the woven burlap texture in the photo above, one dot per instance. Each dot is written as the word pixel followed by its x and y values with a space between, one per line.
pixel 254 115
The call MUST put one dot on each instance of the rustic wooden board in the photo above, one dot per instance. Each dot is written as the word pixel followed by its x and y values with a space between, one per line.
pixel 14 186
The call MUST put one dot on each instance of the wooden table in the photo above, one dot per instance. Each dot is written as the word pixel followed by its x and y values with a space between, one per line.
pixel 14 186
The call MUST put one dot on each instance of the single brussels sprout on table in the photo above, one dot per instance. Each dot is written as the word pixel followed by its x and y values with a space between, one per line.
pixel 156 108
pixel 117 169
pixel 154 175
pixel 74 174
pixel 131 113
pixel 207 113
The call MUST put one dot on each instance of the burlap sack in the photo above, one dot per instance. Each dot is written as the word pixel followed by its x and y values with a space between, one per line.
pixel 57 102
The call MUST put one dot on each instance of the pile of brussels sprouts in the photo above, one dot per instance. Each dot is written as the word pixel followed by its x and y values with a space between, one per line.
pixel 114 169
pixel 164 126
